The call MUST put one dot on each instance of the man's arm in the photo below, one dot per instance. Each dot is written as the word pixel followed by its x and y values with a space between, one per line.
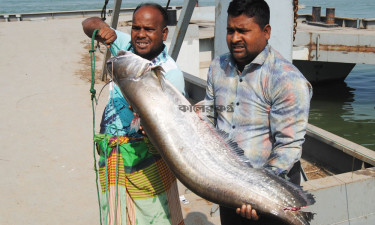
pixel 291 95
pixel 105 35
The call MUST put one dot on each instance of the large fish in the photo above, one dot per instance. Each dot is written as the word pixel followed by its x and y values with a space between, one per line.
pixel 201 157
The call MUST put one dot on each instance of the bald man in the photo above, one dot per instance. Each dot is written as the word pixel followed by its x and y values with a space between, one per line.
pixel 146 188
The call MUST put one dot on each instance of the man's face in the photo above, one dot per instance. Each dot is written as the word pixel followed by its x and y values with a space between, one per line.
pixel 148 33
pixel 245 38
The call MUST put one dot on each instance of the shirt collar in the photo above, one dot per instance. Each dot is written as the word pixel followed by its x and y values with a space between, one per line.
pixel 158 60
pixel 262 56
pixel 259 60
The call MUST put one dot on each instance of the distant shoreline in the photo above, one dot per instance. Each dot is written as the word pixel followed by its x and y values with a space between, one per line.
pixel 58 14
pixel 10 17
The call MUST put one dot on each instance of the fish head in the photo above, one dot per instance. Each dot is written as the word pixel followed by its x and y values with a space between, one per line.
pixel 127 65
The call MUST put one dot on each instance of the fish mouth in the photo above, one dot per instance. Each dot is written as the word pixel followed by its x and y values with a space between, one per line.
pixel 110 65
pixel 127 65
pixel 111 61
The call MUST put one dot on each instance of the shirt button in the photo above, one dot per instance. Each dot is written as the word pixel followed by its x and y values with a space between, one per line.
pixel 241 80
pixel 233 126
pixel 237 103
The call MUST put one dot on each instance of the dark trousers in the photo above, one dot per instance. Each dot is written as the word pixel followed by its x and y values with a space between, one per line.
pixel 228 216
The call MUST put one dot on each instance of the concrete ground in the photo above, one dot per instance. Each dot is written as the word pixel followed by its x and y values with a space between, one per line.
pixel 46 158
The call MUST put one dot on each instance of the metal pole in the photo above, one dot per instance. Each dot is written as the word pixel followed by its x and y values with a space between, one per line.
pixel 182 25
pixel 330 15
pixel 114 22
pixel 316 13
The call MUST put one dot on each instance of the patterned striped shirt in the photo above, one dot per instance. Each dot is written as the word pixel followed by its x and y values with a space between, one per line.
pixel 264 109
pixel 117 111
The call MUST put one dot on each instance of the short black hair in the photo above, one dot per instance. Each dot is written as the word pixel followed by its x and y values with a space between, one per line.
pixel 258 9
pixel 162 10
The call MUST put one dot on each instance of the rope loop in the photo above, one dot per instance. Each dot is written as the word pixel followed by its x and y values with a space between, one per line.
pixel 93 97
pixel 92 56
pixel 93 94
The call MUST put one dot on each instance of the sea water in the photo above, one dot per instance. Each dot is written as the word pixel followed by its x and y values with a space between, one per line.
pixel 28 6
pixel 348 108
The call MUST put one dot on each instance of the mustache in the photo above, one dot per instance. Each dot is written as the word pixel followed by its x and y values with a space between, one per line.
pixel 237 44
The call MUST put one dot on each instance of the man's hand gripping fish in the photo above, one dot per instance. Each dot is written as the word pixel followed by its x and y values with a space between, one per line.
pixel 201 157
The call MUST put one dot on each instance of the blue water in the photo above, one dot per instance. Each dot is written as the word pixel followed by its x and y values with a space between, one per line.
pixel 343 8
pixel 346 109
pixel 28 6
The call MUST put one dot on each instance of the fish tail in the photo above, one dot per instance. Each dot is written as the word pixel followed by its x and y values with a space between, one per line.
pixel 310 199
pixel 307 216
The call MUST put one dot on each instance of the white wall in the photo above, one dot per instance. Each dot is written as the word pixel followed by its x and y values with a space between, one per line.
pixel 188 58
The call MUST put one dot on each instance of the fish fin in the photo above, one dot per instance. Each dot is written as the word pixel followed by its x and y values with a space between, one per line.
pixel 141 74
pixel 234 146
pixel 159 74
pixel 307 196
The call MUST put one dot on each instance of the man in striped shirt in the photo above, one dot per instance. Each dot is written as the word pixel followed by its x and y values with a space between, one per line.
pixel 268 97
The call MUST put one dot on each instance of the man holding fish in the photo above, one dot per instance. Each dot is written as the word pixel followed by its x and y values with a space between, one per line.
pixel 146 189
pixel 270 97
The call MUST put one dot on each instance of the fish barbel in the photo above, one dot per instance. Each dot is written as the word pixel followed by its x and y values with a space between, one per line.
pixel 200 156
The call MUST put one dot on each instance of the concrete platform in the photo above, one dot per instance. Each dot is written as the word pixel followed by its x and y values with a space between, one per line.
pixel 198 211
pixel 46 159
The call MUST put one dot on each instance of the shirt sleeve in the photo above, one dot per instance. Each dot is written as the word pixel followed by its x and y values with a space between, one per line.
pixel 176 77
pixel 120 43
pixel 290 104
